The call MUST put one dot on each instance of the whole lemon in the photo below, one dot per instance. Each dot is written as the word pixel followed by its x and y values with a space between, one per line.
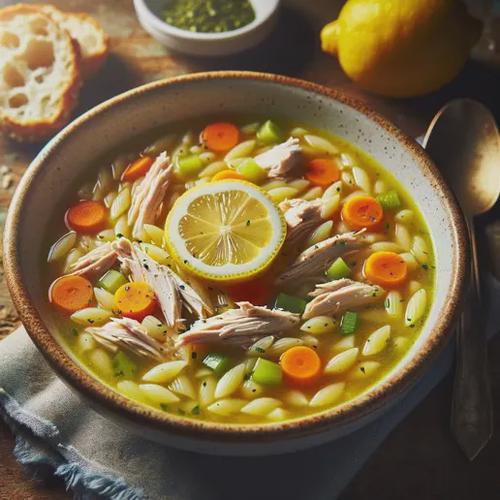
pixel 401 48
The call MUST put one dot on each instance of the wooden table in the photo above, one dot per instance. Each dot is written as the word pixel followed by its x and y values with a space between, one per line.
pixel 420 459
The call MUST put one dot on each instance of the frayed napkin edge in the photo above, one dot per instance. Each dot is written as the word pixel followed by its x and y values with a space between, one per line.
pixel 65 463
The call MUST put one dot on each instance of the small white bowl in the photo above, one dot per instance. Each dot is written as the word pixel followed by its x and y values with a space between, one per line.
pixel 207 44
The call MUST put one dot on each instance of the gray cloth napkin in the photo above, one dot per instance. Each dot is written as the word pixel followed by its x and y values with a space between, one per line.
pixel 57 433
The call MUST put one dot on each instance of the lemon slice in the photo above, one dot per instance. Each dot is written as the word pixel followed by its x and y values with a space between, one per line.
pixel 225 230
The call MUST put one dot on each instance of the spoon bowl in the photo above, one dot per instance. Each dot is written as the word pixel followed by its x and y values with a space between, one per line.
pixel 473 169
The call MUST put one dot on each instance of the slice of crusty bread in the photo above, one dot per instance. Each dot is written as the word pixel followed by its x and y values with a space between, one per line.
pixel 39 65
pixel 92 41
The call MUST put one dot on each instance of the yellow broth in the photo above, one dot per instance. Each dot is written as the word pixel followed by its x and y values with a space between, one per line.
pixel 357 379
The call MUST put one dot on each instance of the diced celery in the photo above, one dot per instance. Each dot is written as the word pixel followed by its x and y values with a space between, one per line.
pixel 349 323
pixel 189 166
pixel 112 280
pixel 389 200
pixel 269 133
pixel 290 303
pixel 339 269
pixel 251 171
pixel 219 363
pixel 266 372
pixel 123 366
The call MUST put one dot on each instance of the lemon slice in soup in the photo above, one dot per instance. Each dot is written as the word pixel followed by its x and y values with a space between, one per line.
pixel 227 230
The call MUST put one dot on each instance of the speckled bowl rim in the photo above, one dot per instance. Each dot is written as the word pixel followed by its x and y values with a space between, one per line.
pixel 346 414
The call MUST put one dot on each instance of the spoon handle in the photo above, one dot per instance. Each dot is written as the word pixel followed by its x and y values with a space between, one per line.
pixel 472 406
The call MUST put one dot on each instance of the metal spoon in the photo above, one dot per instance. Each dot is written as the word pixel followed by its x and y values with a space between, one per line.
pixel 463 141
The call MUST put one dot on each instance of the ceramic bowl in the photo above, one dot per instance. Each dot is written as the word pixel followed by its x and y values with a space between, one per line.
pixel 72 155
pixel 149 13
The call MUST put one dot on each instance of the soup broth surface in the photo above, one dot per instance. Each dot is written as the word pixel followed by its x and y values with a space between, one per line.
pixel 241 377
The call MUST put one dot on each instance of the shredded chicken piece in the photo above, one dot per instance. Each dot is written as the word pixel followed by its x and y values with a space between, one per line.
pixel 158 277
pixel 128 334
pixel 311 264
pixel 240 326
pixel 193 296
pixel 171 290
pixel 340 295
pixel 302 218
pixel 283 159
pixel 95 263
pixel 148 195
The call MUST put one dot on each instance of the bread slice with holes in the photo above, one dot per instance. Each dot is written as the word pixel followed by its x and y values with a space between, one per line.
pixel 92 41
pixel 39 73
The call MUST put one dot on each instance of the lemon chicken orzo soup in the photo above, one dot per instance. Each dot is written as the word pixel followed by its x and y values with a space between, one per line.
pixel 242 272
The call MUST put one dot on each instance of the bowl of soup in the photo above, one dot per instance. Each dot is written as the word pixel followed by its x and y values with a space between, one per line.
pixel 236 262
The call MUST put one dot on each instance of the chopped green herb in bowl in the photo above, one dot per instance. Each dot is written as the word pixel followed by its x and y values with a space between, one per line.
pixel 209 16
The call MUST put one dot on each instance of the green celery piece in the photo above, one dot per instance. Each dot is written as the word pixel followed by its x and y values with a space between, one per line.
pixel 217 362
pixel 290 303
pixel 349 323
pixel 339 269
pixel 266 372
pixel 189 166
pixel 123 366
pixel 251 171
pixel 112 280
pixel 269 133
pixel 389 200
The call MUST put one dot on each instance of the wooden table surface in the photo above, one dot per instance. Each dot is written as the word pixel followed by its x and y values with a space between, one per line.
pixel 420 459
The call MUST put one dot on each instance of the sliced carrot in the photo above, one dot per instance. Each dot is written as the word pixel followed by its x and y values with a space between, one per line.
pixel 71 293
pixel 137 169
pixel 258 291
pixel 135 300
pixel 362 212
pixel 87 217
pixel 227 174
pixel 220 136
pixel 322 172
pixel 301 365
pixel 386 269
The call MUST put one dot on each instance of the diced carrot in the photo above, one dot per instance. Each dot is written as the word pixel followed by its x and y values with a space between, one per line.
pixel 87 216
pixel 227 174
pixel 301 366
pixel 258 291
pixel 137 169
pixel 220 136
pixel 135 300
pixel 70 293
pixel 362 212
pixel 322 172
pixel 386 269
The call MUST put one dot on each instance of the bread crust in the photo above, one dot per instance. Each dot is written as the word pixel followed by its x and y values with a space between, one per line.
pixel 91 61
pixel 32 130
